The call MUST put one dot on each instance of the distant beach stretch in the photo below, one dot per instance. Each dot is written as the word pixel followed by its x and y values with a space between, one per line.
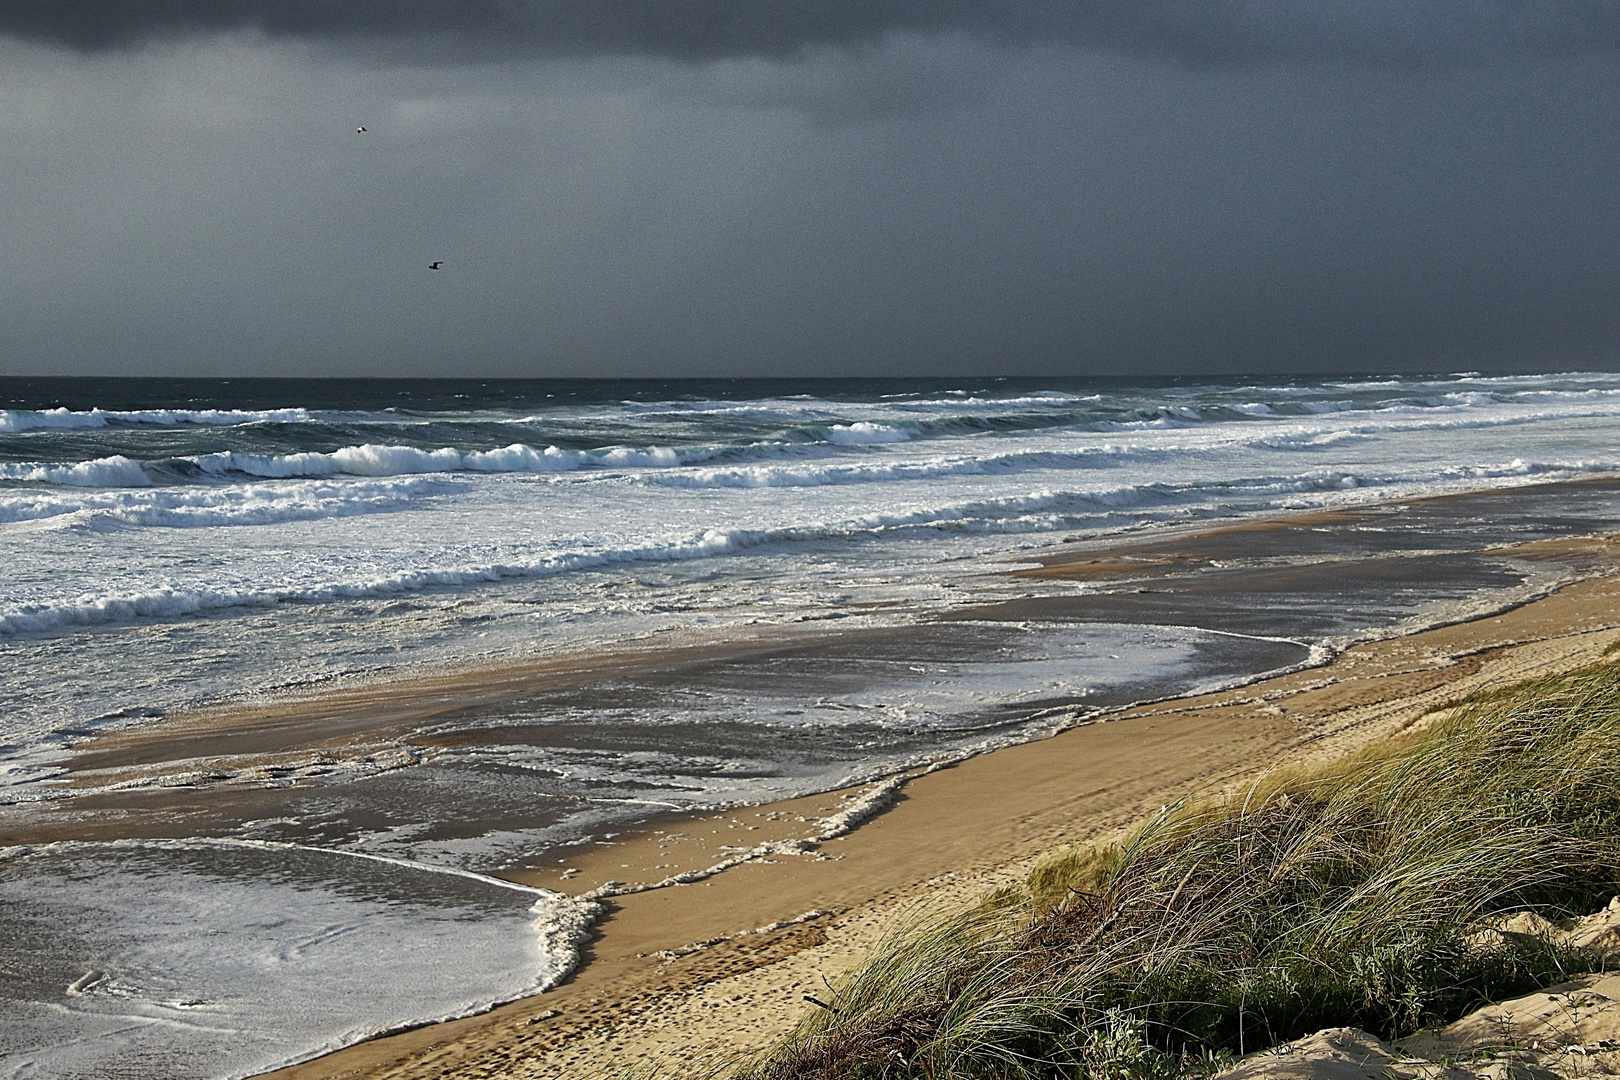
pixel 575 718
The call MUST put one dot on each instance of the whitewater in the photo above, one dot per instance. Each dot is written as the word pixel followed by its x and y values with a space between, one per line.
pixel 175 544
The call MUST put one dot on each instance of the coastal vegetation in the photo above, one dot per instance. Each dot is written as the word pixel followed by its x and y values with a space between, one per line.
pixel 1363 893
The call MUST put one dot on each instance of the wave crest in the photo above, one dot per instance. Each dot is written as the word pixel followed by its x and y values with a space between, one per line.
pixel 66 419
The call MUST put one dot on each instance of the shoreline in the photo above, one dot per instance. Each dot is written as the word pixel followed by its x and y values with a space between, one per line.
pixel 744 945
pixel 224 694
pixel 388 706
pixel 768 888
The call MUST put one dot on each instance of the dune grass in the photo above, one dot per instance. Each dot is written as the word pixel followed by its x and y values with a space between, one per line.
pixel 1346 895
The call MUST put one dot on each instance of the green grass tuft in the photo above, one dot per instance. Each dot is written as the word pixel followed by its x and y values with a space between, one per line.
pixel 1345 895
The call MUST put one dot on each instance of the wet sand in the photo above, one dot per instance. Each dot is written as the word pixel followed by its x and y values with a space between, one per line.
pixel 653 993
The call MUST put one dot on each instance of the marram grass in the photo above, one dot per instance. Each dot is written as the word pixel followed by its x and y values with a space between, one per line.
pixel 1348 895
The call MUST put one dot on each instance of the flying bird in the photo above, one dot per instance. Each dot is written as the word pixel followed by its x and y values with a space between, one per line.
pixel 434 265
pixel 359 130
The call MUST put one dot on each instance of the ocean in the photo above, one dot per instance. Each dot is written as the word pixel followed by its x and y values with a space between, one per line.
pixel 740 590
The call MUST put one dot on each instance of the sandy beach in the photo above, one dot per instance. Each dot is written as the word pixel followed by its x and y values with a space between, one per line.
pixel 710 926
pixel 685 977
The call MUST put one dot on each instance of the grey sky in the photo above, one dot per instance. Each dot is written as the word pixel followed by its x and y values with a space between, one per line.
pixel 731 188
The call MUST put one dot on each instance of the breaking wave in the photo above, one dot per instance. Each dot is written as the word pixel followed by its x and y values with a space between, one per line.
pixel 240 504
pixel 1041 511
pixel 64 419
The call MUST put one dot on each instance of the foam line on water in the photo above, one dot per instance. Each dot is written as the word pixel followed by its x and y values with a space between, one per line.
pixel 192 843
pixel 198 506
pixel 867 805
pixel 66 419
pixel 1041 511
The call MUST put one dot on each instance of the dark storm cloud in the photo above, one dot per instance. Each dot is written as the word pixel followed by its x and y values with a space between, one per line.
pixel 837 187
pixel 1199 31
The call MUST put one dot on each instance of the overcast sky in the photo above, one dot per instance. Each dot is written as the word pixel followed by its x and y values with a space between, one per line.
pixel 735 187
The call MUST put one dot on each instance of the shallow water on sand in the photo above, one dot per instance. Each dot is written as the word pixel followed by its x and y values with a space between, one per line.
pixel 185 961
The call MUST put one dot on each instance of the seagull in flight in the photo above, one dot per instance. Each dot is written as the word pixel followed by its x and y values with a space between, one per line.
pixel 435 265
pixel 359 130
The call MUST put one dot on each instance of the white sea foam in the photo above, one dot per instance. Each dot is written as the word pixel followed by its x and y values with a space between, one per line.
pixel 887 471
pixel 658 457
pixel 1037 511
pixel 862 807
pixel 65 419
pixel 194 506
pixel 978 401
pixel 374 460
pixel 379 460
pixel 226 959
pixel 114 471
pixel 172 601
pixel 1309 440
pixel 169 601
pixel 520 458
pixel 863 433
